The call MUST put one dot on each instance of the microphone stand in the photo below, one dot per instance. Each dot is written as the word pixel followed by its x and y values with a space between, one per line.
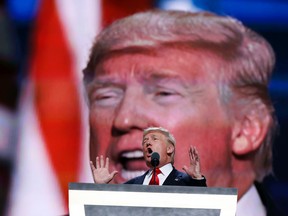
pixel 155 162
pixel 154 175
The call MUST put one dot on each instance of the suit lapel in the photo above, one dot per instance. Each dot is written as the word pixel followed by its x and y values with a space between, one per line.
pixel 141 178
pixel 173 178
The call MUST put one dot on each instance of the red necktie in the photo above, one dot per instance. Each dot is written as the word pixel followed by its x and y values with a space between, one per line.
pixel 155 180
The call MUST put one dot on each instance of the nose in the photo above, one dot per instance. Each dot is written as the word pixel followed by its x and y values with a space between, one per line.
pixel 132 112
pixel 148 144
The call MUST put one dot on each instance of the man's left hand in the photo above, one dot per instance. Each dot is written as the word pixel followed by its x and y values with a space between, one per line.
pixel 194 170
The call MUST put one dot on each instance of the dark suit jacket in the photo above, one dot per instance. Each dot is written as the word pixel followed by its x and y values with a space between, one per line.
pixel 271 206
pixel 174 178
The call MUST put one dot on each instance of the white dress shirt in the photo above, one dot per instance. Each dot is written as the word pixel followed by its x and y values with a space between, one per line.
pixel 250 204
pixel 165 171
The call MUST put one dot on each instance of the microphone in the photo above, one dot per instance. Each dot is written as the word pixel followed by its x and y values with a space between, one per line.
pixel 155 159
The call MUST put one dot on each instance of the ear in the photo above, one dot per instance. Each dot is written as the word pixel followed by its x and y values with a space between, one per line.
pixel 249 132
pixel 170 148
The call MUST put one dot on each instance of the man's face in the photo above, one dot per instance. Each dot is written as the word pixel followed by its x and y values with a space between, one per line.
pixel 155 141
pixel 170 88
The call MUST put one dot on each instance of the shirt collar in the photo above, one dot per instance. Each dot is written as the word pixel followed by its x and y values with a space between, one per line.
pixel 165 170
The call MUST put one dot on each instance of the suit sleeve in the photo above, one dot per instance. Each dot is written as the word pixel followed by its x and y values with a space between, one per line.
pixel 195 182
pixel 131 181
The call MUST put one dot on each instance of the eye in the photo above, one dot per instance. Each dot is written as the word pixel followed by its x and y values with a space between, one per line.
pixel 164 96
pixel 108 96
pixel 164 93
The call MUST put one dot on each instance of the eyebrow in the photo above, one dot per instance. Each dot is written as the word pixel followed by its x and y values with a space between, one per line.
pixel 158 74
pixel 160 77
pixel 146 75
pixel 105 81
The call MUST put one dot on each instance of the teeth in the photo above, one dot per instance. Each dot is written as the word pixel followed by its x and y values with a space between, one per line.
pixel 133 154
pixel 128 174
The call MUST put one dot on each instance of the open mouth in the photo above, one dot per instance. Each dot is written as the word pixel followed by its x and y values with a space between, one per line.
pixel 132 163
pixel 125 157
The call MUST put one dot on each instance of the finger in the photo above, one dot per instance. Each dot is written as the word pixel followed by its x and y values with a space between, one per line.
pixel 92 166
pixel 114 173
pixel 107 163
pixel 196 154
pixel 191 153
pixel 111 176
pixel 97 163
pixel 101 161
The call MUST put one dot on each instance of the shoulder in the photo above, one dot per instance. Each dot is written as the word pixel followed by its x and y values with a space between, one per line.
pixel 137 180
pixel 177 177
pixel 271 206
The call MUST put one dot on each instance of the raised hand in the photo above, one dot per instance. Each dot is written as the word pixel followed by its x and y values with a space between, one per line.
pixel 101 174
pixel 194 170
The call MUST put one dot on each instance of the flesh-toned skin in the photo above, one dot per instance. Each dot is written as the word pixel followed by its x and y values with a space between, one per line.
pixel 170 88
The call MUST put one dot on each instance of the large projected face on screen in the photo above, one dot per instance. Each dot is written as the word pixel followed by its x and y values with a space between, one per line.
pixel 196 75
pixel 169 88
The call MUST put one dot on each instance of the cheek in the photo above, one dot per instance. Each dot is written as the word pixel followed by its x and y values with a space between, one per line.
pixel 100 119
pixel 213 147
pixel 210 136
pixel 100 131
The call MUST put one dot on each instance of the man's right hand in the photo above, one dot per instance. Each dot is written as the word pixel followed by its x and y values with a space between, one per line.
pixel 101 174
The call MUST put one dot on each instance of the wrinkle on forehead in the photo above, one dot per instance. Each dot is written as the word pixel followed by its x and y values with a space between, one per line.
pixel 114 54
pixel 147 76
pixel 128 64
pixel 124 70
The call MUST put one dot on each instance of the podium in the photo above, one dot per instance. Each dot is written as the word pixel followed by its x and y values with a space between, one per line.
pixel 86 199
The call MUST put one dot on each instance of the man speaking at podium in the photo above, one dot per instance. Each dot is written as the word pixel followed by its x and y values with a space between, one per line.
pixel 202 76
pixel 158 150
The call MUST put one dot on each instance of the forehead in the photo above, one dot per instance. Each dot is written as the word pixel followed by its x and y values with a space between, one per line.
pixel 178 64
pixel 154 133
